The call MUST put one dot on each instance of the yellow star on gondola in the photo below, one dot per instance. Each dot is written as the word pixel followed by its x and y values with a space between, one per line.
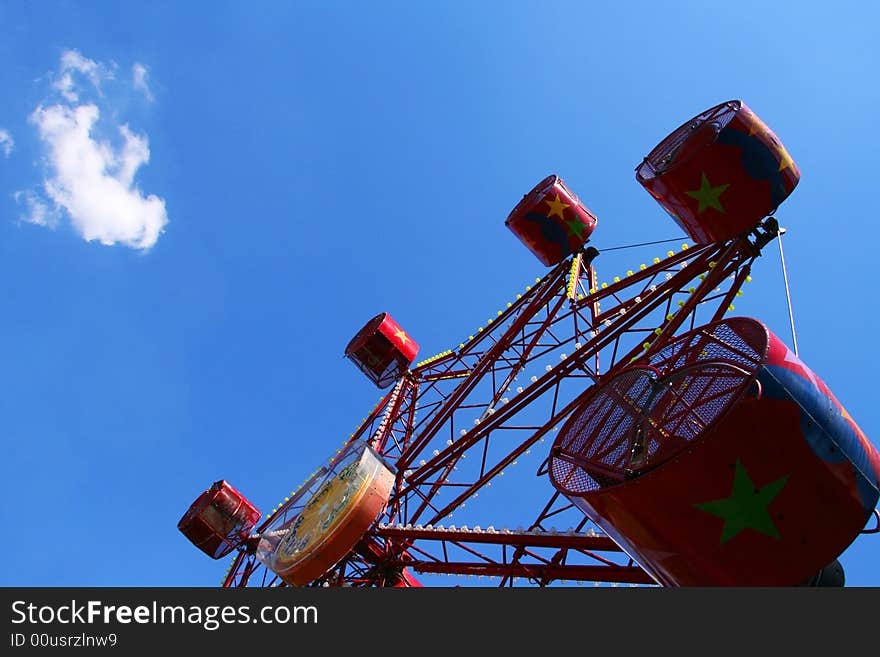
pixel 400 333
pixel 556 207
pixel 708 195
pixel 785 161
pixel 757 126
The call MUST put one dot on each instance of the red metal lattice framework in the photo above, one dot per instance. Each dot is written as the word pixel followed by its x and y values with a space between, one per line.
pixel 453 425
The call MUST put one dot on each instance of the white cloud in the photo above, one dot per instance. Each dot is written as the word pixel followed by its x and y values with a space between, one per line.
pixel 38 211
pixel 72 62
pixel 94 183
pixel 6 142
pixel 139 74
pixel 88 179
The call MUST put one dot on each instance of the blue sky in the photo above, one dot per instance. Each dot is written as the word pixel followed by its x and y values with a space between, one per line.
pixel 176 302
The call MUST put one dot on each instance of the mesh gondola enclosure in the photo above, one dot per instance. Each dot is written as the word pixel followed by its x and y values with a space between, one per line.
pixel 646 414
pixel 686 139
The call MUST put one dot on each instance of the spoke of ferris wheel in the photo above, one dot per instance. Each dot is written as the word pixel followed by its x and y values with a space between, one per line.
pixel 717 272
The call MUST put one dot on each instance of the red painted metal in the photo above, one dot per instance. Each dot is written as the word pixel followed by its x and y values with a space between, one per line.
pixel 551 221
pixel 544 293
pixel 219 520
pixel 538 573
pixel 720 173
pixel 382 350
pixel 544 570
pixel 407 581
pixel 572 540
pixel 720 460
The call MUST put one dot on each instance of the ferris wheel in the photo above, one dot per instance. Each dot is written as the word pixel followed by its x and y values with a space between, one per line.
pixel 678 445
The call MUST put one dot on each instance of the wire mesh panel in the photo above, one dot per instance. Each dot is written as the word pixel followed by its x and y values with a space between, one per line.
pixel 647 414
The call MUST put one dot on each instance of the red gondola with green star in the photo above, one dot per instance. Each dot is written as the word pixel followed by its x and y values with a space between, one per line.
pixel 673 443
pixel 720 173
pixel 551 221
pixel 720 460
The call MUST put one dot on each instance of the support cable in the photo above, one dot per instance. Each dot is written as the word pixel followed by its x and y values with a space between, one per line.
pixel 787 293
pixel 633 246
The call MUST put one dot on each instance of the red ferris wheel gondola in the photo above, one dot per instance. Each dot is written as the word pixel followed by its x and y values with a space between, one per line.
pixel 382 350
pixel 220 520
pixel 720 460
pixel 719 174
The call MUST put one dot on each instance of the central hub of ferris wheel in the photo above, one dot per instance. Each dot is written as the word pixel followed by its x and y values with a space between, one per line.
pixel 690 449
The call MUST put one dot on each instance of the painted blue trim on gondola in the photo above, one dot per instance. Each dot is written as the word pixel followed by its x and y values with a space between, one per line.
pixel 830 436
pixel 758 160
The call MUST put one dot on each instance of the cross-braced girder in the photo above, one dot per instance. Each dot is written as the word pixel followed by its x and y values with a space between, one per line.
pixel 456 423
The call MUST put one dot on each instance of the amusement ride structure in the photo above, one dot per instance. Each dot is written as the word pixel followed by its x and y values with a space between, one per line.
pixel 680 446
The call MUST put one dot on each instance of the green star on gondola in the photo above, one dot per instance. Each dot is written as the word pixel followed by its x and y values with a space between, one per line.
pixel 708 195
pixel 746 508
pixel 575 227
